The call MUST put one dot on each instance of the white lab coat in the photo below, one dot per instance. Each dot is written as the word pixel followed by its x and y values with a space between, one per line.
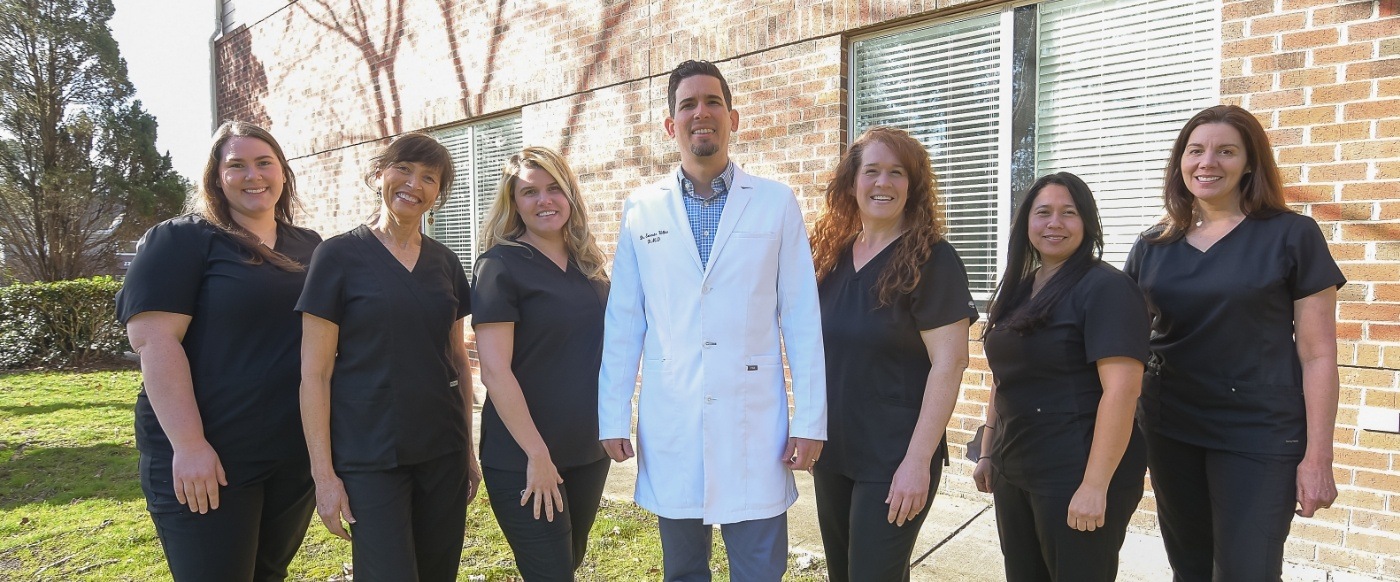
pixel 712 419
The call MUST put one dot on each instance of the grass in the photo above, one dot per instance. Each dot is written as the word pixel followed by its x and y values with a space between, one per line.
pixel 71 506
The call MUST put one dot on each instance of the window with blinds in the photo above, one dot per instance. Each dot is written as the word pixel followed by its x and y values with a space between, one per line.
pixel 478 152
pixel 1094 87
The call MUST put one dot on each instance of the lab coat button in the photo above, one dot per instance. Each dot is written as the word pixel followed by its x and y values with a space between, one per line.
pixel 709 400
pixel 709 345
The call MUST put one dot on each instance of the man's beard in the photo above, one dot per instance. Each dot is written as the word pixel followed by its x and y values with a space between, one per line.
pixel 704 150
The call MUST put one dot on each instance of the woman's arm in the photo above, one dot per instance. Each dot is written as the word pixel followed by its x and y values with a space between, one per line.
pixel 1315 330
pixel 1121 378
pixel 984 472
pixel 947 350
pixel 319 338
pixel 495 343
pixel 196 471
pixel 458 351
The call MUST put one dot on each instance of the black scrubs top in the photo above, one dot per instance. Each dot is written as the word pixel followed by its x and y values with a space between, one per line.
pixel 1048 387
pixel 876 362
pixel 558 317
pixel 243 341
pixel 394 394
pixel 1225 372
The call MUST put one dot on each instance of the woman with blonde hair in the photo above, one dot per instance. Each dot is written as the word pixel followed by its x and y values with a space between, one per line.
pixel 895 316
pixel 539 294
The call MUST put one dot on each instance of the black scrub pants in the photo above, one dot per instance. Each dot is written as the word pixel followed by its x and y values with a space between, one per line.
pixel 256 531
pixel 548 550
pixel 410 520
pixel 1038 545
pixel 861 544
pixel 1224 515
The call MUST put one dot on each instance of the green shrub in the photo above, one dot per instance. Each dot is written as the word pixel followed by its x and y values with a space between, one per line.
pixel 60 324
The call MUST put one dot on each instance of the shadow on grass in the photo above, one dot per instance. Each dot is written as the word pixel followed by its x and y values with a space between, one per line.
pixel 27 410
pixel 59 476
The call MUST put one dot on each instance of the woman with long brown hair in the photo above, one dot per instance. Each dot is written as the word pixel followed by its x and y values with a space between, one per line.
pixel 895 316
pixel 1240 396
pixel 207 304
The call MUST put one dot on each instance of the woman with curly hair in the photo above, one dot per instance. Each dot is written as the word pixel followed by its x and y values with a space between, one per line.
pixel 895 316
pixel 539 294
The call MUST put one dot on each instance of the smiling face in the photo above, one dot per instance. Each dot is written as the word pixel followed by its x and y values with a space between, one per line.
pixel 702 122
pixel 409 189
pixel 250 177
pixel 1056 228
pixel 541 202
pixel 1214 162
pixel 882 185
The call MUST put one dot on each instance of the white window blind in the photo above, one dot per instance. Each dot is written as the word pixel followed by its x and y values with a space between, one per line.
pixel 942 83
pixel 478 151
pixel 1118 80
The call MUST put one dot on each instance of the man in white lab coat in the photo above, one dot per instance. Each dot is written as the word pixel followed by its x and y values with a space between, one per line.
pixel 712 270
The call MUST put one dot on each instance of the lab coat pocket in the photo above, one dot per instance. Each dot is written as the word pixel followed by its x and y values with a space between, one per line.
pixel 763 369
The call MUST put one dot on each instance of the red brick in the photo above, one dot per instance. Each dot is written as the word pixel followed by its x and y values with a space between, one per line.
pixel 1339 132
pixel 1390 210
pixel 1372 312
pixel 1373 231
pixel 1344 92
pixel 1341 211
pixel 1307 154
pixel 1388 128
pixel 1275 99
pixel 1371 149
pixel 1348 330
pixel 1246 85
pixel 1232 30
pixel 1309 77
pixel 1348 252
pixel 1276 23
pixel 1338 172
pixel 1388 87
pixel 1246 9
pixel 1375 272
pixel 1277 62
pixel 1343 12
pixel 1259 45
pixel 1308 193
pixel 1384 332
pixel 1374 109
pixel 1372 69
pixel 1388 171
pixel 1343 54
pixel 1371 30
pixel 1371 190
pixel 1310 38
pixel 1307 116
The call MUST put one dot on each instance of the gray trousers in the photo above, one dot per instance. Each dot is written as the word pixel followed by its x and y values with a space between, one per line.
pixel 757 549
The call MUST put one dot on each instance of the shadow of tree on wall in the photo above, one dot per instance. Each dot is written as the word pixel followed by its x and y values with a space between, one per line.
pixel 613 11
pixel 243 80
pixel 470 102
pixel 380 57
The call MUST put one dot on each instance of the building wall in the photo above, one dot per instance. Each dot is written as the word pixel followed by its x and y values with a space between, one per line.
pixel 332 78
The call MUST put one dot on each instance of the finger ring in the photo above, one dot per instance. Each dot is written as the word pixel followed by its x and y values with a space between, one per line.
pixel 522 492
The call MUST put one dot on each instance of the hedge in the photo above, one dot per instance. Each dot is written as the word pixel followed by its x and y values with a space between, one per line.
pixel 61 324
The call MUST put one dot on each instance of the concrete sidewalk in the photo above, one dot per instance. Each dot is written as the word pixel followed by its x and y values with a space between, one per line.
pixel 959 539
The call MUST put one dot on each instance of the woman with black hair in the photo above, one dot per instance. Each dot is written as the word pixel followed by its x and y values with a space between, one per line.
pixel 1066 340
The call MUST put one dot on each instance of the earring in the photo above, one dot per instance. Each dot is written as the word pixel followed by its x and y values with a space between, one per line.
pixel 432 217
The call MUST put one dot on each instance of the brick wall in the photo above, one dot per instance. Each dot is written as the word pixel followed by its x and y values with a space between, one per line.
pixel 333 78
pixel 1324 79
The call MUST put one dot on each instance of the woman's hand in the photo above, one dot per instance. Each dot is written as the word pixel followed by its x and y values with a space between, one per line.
pixel 542 483
pixel 333 505
pixel 908 491
pixel 984 473
pixel 1086 508
pixel 197 474
pixel 473 477
pixel 1317 488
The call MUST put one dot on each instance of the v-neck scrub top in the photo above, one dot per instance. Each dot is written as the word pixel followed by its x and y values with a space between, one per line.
pixel 876 362
pixel 243 341
pixel 1048 387
pixel 1225 372
pixel 394 394
pixel 558 317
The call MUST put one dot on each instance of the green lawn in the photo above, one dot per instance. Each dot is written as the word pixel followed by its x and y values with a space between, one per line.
pixel 71 507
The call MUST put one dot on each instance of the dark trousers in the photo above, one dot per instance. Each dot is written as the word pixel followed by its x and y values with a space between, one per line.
pixel 546 550
pixel 253 535
pixel 757 549
pixel 1038 545
pixel 409 520
pixel 1224 515
pixel 860 542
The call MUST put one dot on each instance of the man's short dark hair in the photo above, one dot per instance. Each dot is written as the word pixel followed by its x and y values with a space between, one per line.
pixel 691 69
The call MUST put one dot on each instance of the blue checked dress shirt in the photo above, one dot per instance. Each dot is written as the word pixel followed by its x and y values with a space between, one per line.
pixel 704 213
